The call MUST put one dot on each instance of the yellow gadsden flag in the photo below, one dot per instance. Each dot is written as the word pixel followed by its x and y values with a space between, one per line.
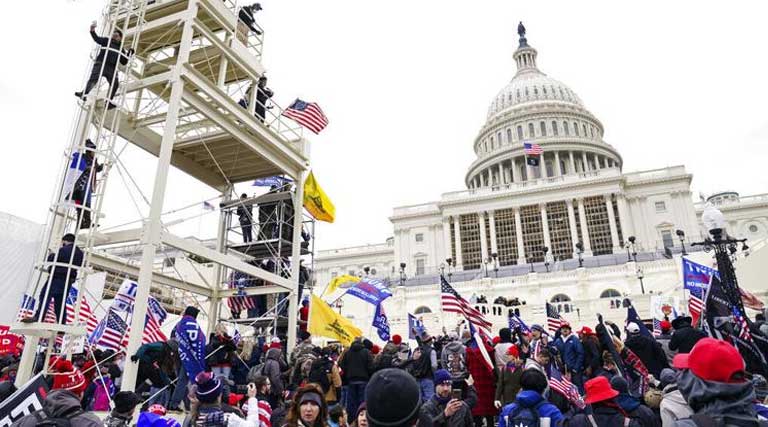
pixel 325 322
pixel 316 201
pixel 338 281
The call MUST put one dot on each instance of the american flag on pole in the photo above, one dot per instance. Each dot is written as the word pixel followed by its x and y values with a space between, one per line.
pixel 85 311
pixel 565 387
pixel 532 149
pixel 50 313
pixel 453 303
pixel 696 302
pixel 27 308
pixel 516 322
pixel 741 321
pixel 307 114
pixel 110 332
pixel 554 321
pixel 656 327
pixel 156 315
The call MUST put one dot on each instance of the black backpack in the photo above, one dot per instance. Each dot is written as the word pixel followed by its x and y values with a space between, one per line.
pixel 44 419
pixel 318 373
pixel 702 420
pixel 525 416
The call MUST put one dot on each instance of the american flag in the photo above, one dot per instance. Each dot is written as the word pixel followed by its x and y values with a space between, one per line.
pixel 152 332
pixel 565 387
pixel 307 114
pixel 516 322
pixel 85 311
pixel 635 363
pixel 110 332
pixel 27 308
pixel 532 149
pixel 453 303
pixel 554 321
pixel 696 302
pixel 656 327
pixel 50 313
pixel 208 206
pixel 741 321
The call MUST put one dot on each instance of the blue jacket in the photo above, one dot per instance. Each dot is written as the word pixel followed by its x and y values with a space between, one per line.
pixel 529 399
pixel 572 351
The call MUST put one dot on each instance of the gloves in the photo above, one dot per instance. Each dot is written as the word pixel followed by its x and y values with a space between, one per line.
pixel 497 404
pixel 134 358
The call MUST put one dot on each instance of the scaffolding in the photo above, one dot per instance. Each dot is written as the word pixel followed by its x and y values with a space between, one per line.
pixel 183 66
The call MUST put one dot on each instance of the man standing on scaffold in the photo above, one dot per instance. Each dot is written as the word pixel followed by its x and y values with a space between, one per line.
pixel 106 63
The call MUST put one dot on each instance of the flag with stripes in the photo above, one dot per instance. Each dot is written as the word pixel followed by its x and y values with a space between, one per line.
pixel 152 332
pixel 656 327
pixel 565 387
pixel 50 312
pixel 516 322
pixel 110 332
pixel 207 206
pixel 307 114
pixel 696 279
pixel 532 149
pixel 452 302
pixel 741 322
pixel 554 321
pixel 27 308
pixel 696 303
pixel 85 311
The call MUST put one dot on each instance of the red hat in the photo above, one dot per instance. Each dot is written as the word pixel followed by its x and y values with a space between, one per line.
pixel 599 389
pixel 158 409
pixel 713 360
pixel 665 325
pixel 513 351
pixel 564 324
pixel 375 349
pixel 586 330
pixel 496 340
pixel 397 339
pixel 67 377
pixel 235 398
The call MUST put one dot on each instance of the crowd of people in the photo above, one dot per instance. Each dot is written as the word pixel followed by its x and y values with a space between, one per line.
pixel 605 377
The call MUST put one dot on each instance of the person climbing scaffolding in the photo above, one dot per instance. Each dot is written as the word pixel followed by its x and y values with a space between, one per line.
pixel 105 64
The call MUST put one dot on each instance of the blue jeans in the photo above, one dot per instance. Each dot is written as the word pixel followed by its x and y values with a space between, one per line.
pixel 180 392
pixel 161 398
pixel 355 396
pixel 427 387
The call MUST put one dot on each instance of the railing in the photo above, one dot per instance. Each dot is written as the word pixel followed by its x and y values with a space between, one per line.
pixel 416 209
pixel 655 174
pixel 356 250
pixel 754 199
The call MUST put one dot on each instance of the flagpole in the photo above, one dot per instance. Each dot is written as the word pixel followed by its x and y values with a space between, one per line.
pixel 440 298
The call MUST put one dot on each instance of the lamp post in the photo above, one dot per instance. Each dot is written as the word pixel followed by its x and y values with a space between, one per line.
pixel 544 250
pixel 630 242
pixel 486 261
pixel 402 274
pixel 442 269
pixel 530 262
pixel 724 247
pixel 495 257
pixel 640 277
pixel 367 270
pixel 450 263
pixel 681 235
pixel 580 248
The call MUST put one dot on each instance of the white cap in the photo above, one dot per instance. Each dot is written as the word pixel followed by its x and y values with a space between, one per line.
pixel 275 340
pixel 632 328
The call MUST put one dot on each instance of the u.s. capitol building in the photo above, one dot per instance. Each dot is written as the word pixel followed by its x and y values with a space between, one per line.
pixel 523 231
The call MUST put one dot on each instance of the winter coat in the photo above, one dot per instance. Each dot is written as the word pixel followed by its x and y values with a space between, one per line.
pixel 221 351
pixel 649 351
pixel 484 382
pixel 435 409
pixel 115 419
pixel 115 53
pixel 507 383
pixel 604 415
pixel 245 214
pixel 664 340
pixel 454 359
pixel 685 338
pixel 636 410
pixel 335 378
pixel 593 358
pixel 715 398
pixel 572 352
pixel 387 358
pixel 103 391
pixel 63 255
pixel 673 406
pixel 357 363
pixel 215 417
pixel 60 403
pixel 422 367
pixel 529 399
pixel 274 365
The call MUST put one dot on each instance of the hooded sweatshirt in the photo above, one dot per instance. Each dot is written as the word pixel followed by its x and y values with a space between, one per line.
pixel 529 399
pixel 454 359
pixel 673 406
pixel 357 363
pixel 716 398
pixel 60 403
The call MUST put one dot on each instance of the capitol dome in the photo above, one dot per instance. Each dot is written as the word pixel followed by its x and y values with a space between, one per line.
pixel 539 110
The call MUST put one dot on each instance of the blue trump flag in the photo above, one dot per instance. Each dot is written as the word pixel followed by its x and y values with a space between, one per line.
pixel 269 181
pixel 697 276
pixel 191 346
pixel 381 323
pixel 516 322
pixel 371 290
pixel 633 317
pixel 415 327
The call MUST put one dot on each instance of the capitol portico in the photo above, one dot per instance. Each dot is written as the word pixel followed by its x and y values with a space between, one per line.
pixel 574 228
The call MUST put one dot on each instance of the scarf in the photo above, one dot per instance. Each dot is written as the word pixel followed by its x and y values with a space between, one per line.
pixel 211 416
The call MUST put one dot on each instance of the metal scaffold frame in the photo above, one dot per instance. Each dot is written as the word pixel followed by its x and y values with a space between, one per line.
pixel 189 59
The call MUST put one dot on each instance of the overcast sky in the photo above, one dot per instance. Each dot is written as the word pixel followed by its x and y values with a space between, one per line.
pixel 406 86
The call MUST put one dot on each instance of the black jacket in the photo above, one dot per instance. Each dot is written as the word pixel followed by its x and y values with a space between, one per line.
pixel 223 356
pixel 262 96
pixel 110 49
pixel 357 363
pixel 604 417
pixel 592 356
pixel 649 351
pixel 685 338
pixel 246 15
pixel 65 253
pixel 245 214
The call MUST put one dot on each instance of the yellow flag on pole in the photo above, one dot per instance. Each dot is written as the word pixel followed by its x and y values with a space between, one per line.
pixel 338 281
pixel 325 322
pixel 316 201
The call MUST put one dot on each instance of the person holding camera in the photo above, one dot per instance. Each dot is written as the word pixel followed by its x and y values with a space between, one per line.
pixel 449 406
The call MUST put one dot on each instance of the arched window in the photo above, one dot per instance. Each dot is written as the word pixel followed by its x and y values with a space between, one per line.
pixel 485 146
pixel 565 128
pixel 562 303
pixel 575 128
pixel 519 133
pixel 531 132
pixel 422 310
pixel 491 143
pixel 524 172
pixel 614 296
pixel 584 128
pixel 560 298
pixel 554 128
pixel 550 166
pixel 536 91
pixel 592 128
pixel 509 136
pixel 526 93
pixel 543 127
pixel 498 137
pixel 518 95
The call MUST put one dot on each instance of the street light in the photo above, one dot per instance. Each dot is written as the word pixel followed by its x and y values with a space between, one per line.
pixel 681 235
pixel 450 263
pixel 402 274
pixel 544 250
pixel 580 247
pixel 631 242
pixel 640 277
pixel 495 257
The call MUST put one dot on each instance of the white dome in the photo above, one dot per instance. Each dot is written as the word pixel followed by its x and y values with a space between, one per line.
pixel 531 86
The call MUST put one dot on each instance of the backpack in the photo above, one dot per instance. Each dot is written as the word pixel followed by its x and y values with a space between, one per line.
pixel 44 419
pixel 456 365
pixel 254 372
pixel 318 373
pixel 525 416
pixel 702 420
